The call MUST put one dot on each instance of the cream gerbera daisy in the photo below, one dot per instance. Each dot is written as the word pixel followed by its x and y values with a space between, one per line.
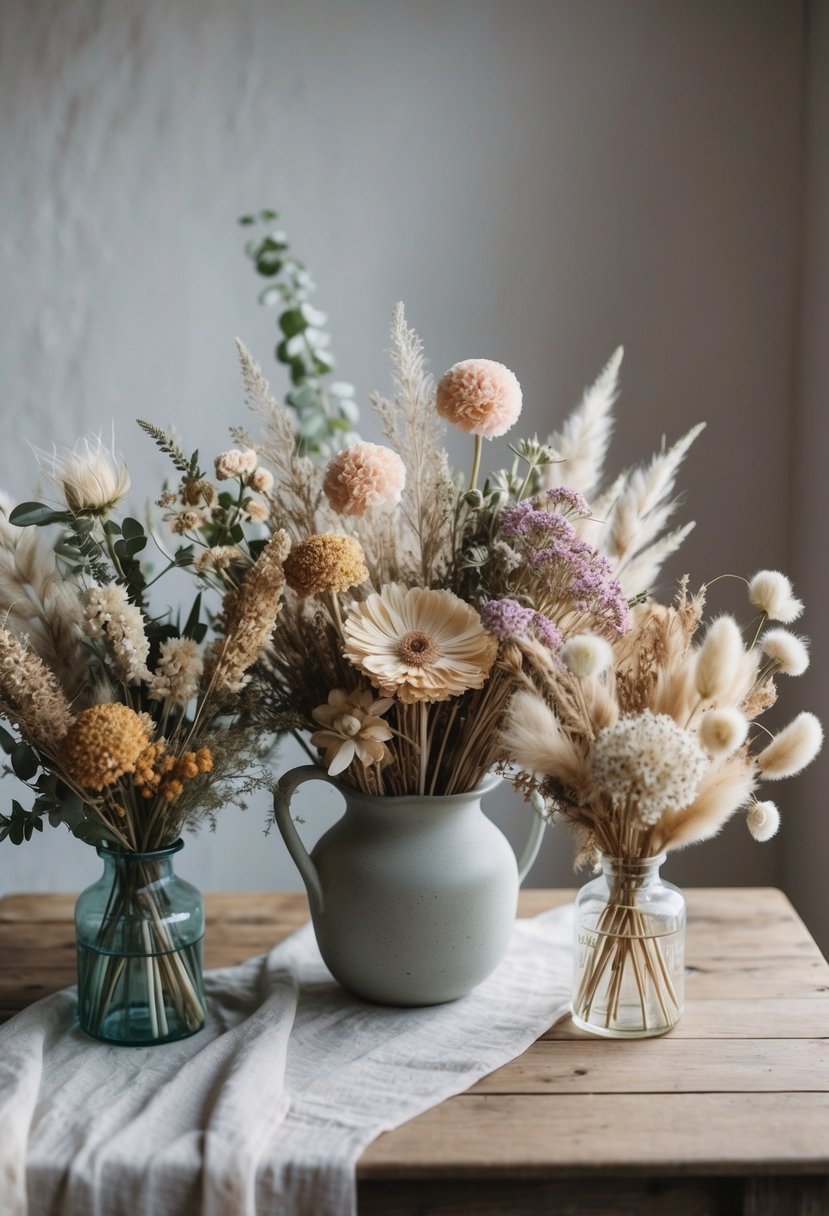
pixel 418 645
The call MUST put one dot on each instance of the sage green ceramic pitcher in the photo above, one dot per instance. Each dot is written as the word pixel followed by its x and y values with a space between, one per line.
pixel 412 898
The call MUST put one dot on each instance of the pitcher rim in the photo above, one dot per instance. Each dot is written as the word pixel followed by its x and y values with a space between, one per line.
pixel 485 786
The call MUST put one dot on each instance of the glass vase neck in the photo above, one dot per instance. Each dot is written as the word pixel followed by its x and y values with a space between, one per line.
pixel 636 871
pixel 124 857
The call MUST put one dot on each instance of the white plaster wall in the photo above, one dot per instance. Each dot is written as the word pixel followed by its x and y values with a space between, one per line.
pixel 537 181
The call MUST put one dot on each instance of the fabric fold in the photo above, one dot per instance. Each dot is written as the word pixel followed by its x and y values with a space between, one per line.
pixel 267 1110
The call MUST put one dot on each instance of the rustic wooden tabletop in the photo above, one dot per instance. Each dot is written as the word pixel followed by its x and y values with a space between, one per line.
pixel 728 1115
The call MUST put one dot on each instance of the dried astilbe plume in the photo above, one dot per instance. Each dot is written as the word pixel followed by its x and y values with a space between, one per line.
pixel 249 614
pixel 30 697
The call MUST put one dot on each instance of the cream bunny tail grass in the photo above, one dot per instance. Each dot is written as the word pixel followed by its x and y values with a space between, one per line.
pixel 533 737
pixel 724 788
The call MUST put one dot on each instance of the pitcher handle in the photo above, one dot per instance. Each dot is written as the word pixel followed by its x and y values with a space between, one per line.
pixel 534 843
pixel 285 790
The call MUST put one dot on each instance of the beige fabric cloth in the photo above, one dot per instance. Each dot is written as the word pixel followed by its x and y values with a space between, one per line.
pixel 266 1110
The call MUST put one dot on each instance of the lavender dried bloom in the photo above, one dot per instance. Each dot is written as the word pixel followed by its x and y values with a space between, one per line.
pixel 508 619
pixel 570 579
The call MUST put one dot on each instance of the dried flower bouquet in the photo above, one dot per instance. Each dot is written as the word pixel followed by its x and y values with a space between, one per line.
pixel 651 744
pixel 406 584
pixel 126 724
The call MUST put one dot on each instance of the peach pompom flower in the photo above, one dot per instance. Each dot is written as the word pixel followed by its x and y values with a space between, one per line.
pixel 479 396
pixel 362 477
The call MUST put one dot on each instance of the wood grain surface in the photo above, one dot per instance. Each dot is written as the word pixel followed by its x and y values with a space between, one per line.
pixel 729 1114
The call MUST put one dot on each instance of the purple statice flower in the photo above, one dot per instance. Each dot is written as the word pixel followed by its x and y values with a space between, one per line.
pixel 526 521
pixel 570 500
pixel 506 618
pixel 545 631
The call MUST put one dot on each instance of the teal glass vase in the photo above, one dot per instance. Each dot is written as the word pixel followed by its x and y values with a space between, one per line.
pixel 139 931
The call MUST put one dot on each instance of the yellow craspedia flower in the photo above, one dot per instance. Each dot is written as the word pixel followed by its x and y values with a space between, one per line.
pixel 102 744
pixel 328 561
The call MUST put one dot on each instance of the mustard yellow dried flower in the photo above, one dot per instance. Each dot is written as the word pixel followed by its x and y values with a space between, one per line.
pixel 103 744
pixel 159 773
pixel 328 561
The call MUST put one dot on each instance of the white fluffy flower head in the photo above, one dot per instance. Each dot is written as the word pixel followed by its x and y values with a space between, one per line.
pixel 789 652
pixel 237 462
pixel 772 593
pixel 763 820
pixel 91 476
pixel 722 731
pixel 586 655
pixel 648 761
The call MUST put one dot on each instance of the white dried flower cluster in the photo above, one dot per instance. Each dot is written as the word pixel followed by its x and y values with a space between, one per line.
pixel 261 480
pixel 186 521
pixel 238 462
pixel 772 593
pixel 108 614
pixel 786 650
pixel 178 672
pixel 648 761
pixel 257 512
pixel 218 558
pixel 586 655
pixel 763 820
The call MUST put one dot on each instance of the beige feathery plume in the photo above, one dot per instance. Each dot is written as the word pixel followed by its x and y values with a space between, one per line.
pixel 533 738
pixel 581 444
pixel 30 697
pixel 35 601
pixel 719 659
pixel 795 746
pixel 249 614
pixel 640 513
pixel 415 431
pixel 723 789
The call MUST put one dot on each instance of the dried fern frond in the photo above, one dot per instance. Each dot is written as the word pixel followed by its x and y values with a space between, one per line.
pixel 582 442
pixel 415 431
pixel 170 446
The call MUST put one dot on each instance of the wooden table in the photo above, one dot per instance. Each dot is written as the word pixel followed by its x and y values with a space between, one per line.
pixel 727 1115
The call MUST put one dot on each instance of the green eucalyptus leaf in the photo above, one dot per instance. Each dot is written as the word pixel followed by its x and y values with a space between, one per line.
pixel 7 741
pixel 24 762
pixel 131 527
pixel 135 544
pixel 184 556
pixel 268 263
pixel 292 322
pixel 36 515
pixel 271 295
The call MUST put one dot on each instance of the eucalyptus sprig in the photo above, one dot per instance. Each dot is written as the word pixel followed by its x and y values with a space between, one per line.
pixel 326 410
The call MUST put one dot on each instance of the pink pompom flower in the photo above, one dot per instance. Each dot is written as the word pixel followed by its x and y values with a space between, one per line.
pixel 480 397
pixel 364 476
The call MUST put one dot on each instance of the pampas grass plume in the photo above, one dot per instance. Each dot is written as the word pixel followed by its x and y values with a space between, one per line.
pixel 586 655
pixel 792 749
pixel 533 738
pixel 788 651
pixel 772 593
pixel 719 658
pixel 722 731
pixel 763 820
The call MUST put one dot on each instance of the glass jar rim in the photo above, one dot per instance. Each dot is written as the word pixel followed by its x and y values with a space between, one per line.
pixel 630 862
pixel 107 850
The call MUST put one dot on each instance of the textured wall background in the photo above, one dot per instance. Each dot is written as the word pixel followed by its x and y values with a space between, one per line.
pixel 537 182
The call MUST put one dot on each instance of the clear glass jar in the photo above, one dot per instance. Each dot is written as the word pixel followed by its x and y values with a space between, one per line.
pixel 139 932
pixel 630 951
